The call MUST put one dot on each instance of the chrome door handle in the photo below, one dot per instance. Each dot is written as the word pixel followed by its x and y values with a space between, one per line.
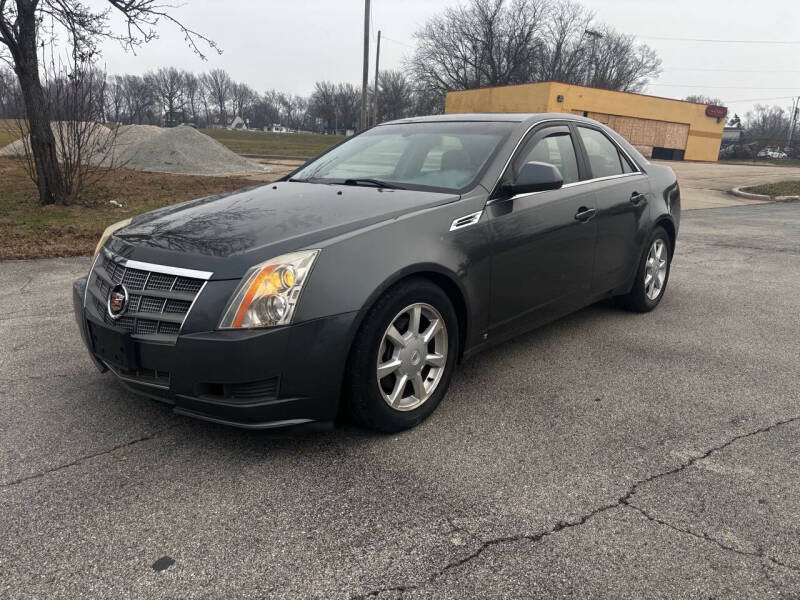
pixel 636 197
pixel 585 214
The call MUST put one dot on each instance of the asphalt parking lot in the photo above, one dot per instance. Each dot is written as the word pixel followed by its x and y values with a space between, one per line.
pixel 606 455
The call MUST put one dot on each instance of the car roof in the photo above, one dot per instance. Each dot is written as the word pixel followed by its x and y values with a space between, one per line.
pixel 528 118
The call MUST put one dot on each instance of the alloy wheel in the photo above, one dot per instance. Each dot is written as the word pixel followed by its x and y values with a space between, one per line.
pixel 412 357
pixel 655 269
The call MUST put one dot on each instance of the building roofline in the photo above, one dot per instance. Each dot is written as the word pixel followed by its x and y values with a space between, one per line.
pixel 588 87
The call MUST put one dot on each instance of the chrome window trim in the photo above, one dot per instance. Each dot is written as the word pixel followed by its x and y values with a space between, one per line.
pixel 568 185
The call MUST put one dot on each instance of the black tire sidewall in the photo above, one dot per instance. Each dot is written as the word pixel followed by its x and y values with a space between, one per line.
pixel 640 298
pixel 365 400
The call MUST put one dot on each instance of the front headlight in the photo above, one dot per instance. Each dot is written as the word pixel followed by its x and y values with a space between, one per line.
pixel 268 293
pixel 109 232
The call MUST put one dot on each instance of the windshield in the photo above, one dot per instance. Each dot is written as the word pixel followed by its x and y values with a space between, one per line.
pixel 434 156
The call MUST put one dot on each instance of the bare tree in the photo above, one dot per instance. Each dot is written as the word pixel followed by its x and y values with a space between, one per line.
pixel 243 97
pixel 564 53
pixel 115 99
pixel 191 93
pixel 395 96
pixel 501 42
pixel 76 100
pixel 766 126
pixel 219 84
pixel 11 106
pixel 322 104
pixel 167 86
pixel 348 105
pixel 485 43
pixel 138 98
pixel 27 24
pixel 267 109
pixel 701 99
pixel 622 64
pixel 294 110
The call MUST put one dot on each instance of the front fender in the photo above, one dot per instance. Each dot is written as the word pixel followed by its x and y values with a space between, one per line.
pixel 352 272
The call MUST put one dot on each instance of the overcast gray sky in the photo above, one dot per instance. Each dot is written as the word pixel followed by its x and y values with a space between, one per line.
pixel 290 44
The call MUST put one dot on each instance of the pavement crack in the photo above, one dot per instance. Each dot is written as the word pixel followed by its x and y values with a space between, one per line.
pixel 760 554
pixel 622 501
pixel 81 459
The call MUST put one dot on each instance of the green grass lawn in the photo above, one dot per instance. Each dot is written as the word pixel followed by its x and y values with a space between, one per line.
pixel 274 144
pixel 28 230
pixel 783 188
pixel 9 132
pixel 767 162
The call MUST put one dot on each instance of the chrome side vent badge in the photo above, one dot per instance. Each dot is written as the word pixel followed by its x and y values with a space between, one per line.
pixel 466 221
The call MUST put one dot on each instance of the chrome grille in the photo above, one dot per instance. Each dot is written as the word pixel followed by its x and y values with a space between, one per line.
pixel 160 303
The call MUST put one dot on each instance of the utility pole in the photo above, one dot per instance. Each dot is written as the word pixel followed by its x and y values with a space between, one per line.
pixel 365 80
pixel 375 91
pixel 793 122
pixel 595 35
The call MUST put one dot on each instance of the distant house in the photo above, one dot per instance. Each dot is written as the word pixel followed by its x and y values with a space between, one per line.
pixel 276 128
pixel 731 136
pixel 238 124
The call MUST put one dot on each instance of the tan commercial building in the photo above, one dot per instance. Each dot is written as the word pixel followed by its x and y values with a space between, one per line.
pixel 659 127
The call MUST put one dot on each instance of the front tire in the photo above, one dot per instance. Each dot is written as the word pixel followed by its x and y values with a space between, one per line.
pixel 403 357
pixel 652 274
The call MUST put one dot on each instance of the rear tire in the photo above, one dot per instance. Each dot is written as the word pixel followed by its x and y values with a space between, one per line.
pixel 395 378
pixel 652 274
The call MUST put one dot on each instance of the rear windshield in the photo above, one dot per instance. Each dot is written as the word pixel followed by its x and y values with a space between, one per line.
pixel 426 156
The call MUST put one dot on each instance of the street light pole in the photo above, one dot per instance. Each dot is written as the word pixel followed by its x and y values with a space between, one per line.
pixel 365 79
pixel 595 35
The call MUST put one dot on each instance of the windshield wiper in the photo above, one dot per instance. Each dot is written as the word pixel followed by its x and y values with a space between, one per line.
pixel 373 182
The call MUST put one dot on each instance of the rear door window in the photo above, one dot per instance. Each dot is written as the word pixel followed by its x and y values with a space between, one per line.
pixel 604 158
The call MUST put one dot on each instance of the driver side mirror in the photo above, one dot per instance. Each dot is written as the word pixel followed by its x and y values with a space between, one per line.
pixel 536 177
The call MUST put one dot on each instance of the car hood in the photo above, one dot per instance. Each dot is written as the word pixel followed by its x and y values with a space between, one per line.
pixel 274 218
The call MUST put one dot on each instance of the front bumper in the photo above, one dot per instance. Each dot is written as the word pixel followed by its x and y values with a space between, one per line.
pixel 256 379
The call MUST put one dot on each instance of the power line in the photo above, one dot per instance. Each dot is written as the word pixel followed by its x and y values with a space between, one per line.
pixel 717 41
pixel 722 87
pixel 761 99
pixel 397 42
pixel 733 70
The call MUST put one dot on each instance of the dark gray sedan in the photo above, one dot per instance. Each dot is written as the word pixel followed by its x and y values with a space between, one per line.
pixel 363 278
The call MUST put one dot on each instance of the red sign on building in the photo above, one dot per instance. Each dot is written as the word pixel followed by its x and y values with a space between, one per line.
pixel 718 112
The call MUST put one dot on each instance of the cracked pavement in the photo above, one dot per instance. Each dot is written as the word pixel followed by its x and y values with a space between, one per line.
pixel 605 455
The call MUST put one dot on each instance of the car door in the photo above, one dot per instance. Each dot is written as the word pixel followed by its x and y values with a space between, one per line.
pixel 622 192
pixel 543 242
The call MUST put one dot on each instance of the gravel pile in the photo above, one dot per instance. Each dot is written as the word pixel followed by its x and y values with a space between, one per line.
pixel 181 150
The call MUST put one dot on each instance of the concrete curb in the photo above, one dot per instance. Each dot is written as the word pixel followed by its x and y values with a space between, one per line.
pixel 763 197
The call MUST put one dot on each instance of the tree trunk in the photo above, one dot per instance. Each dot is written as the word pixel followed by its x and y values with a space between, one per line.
pixel 43 144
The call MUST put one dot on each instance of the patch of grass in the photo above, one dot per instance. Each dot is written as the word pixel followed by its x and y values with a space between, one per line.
pixel 782 188
pixel 274 144
pixel 763 162
pixel 9 132
pixel 28 230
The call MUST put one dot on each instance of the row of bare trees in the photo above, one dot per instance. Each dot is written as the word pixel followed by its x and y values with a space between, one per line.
pixel 502 42
pixel 169 96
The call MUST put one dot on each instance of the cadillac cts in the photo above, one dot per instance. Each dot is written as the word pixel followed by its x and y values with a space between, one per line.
pixel 360 280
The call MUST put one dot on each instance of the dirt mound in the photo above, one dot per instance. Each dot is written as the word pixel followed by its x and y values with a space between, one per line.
pixel 181 150
pixel 99 140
